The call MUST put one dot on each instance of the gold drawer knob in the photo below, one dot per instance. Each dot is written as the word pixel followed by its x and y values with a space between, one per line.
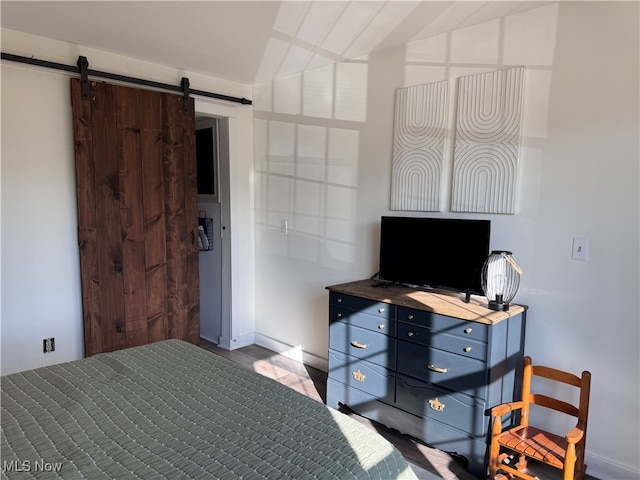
pixel 381 326
pixel 339 300
pixel 467 349
pixel 436 405
pixel 468 330
pixel 381 310
pixel 410 317
pixel 358 376
pixel 410 334
pixel 339 315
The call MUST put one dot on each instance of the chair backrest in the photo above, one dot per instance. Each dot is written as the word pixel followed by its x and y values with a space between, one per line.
pixel 580 411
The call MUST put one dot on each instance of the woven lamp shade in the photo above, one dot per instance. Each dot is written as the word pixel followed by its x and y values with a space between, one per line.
pixel 500 279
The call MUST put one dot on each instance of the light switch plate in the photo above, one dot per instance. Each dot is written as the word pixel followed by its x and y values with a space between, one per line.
pixel 580 249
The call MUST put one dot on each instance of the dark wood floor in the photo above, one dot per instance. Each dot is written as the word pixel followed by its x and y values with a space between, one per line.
pixel 312 383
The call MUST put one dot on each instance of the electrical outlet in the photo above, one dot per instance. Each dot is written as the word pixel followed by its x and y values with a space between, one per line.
pixel 48 345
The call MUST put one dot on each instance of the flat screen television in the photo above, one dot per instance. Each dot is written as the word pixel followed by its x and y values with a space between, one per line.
pixel 436 253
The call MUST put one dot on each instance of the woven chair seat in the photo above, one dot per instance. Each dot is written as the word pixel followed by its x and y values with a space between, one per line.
pixel 535 443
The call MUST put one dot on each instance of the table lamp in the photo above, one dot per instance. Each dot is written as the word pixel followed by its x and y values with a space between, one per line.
pixel 500 279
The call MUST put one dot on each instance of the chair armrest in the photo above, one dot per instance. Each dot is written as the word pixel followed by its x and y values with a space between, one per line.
pixel 575 435
pixel 504 408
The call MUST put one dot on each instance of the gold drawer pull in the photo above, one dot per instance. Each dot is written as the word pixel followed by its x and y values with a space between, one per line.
pixel 436 405
pixel 410 317
pixel 381 326
pixel 339 300
pixel 433 368
pixel 339 315
pixel 467 349
pixel 358 344
pixel 381 310
pixel 410 334
pixel 468 330
pixel 358 376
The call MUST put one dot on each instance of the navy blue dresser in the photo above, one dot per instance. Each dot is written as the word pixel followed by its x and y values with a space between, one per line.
pixel 427 364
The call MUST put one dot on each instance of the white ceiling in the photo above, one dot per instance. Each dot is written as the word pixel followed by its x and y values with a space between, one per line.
pixel 247 41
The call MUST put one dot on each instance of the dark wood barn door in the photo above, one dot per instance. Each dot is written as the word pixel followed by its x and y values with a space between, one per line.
pixel 137 216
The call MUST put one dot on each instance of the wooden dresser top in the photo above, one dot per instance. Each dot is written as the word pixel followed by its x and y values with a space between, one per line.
pixel 449 304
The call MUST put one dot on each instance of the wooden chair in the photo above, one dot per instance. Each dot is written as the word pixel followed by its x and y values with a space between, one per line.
pixel 524 441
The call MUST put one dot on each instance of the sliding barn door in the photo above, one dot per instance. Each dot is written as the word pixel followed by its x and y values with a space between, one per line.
pixel 137 216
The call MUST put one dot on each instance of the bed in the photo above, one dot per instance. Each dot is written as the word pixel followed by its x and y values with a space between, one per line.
pixel 174 410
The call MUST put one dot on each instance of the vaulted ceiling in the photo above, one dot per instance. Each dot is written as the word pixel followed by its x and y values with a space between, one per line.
pixel 247 41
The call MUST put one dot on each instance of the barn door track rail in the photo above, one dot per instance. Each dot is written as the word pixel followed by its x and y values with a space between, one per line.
pixel 82 69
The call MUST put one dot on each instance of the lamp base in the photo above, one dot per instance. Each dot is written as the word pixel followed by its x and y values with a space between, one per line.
pixel 498 306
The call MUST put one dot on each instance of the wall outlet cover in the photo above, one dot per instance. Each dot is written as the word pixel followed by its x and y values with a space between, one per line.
pixel 48 345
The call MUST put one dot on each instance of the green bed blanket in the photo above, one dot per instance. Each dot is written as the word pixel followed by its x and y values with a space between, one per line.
pixel 173 410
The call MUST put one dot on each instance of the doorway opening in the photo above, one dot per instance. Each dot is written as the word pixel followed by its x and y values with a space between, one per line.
pixel 208 156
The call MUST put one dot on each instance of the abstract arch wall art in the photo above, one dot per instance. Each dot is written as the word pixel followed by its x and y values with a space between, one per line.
pixel 419 133
pixel 487 144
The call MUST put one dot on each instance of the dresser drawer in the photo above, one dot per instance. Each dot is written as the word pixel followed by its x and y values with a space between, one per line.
pixel 377 323
pixel 363 305
pixel 449 439
pixel 442 323
pixel 358 401
pixel 443 341
pixel 365 376
pixel 446 369
pixel 362 343
pixel 452 408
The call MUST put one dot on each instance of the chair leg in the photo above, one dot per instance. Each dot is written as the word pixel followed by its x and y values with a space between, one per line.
pixel 568 472
pixel 494 448
pixel 494 453
pixel 569 462
pixel 522 463
pixel 580 466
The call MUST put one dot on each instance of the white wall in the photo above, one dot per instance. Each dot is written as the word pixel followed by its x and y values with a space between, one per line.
pixel 323 147
pixel 40 264
pixel 41 294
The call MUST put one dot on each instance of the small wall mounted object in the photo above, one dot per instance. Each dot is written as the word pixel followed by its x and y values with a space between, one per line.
pixel 500 279
pixel 420 125
pixel 205 232
pixel 487 144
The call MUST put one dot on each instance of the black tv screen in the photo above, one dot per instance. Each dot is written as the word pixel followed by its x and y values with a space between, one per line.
pixel 437 253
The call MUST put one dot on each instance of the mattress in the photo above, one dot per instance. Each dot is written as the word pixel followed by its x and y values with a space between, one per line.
pixel 174 410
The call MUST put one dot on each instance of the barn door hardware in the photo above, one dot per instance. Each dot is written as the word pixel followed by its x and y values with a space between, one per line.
pixel 83 65
pixel 185 95
pixel 85 72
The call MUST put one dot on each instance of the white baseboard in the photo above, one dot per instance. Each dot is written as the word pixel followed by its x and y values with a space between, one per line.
pixel 294 352
pixel 212 340
pixel 604 469
pixel 232 343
